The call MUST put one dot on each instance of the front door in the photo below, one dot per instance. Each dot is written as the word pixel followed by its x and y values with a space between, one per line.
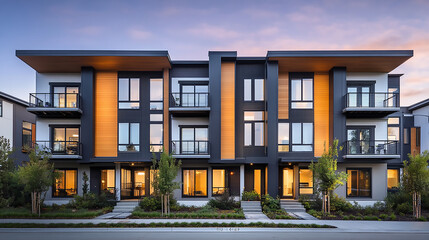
pixel 133 183
pixel 288 182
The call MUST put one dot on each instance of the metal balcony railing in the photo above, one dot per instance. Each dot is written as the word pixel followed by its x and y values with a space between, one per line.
pixel 61 147
pixel 373 147
pixel 193 100
pixel 190 147
pixel 54 100
pixel 372 100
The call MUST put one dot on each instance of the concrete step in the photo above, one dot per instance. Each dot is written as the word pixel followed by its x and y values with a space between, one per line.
pixel 127 203
pixel 252 208
pixel 252 211
pixel 294 210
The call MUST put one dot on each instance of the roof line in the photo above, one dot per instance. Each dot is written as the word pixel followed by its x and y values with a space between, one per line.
pixel 418 105
pixel 342 53
pixel 13 99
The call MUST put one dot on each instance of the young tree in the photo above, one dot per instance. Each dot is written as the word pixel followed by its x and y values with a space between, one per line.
pixel 165 170
pixel 6 172
pixel 85 185
pixel 37 175
pixel 326 175
pixel 415 179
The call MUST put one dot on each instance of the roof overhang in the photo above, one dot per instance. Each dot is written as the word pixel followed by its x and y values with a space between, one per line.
pixel 71 61
pixel 354 60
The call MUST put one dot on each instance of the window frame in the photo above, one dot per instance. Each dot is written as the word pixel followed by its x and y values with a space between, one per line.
pixel 31 133
pixel 302 136
pixel 370 182
pixel 129 138
pixel 53 85
pixel 301 80
pixel 129 94
pixel 289 136
pixel 299 181
pixel 162 95
pixel 52 135
pixel 101 179
pixel 253 89
pixel 399 178
pixel 252 124
pixel 226 187
pixel 54 189
pixel 207 182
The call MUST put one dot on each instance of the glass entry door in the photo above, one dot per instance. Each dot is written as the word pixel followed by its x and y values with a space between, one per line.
pixel 139 183
pixel 194 95
pixel 288 182
pixel 358 96
pixel 194 140
pixel 359 140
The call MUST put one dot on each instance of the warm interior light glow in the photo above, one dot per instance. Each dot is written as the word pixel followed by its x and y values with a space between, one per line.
pixel 140 173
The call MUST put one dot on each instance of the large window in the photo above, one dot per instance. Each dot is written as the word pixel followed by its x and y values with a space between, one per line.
pixel 305 181
pixel 66 96
pixel 254 90
pixel 27 134
pixel 254 128
pixel 65 140
pixel 194 183
pixel 302 93
pixel 359 183
pixel 108 180
pixel 129 137
pixel 129 93
pixel 156 94
pixel 156 131
pixel 302 137
pixel 66 184
pixel 392 179
pixel 283 137
pixel 219 181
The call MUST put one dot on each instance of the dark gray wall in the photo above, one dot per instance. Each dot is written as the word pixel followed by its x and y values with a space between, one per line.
pixel 20 114
pixel 337 93
pixel 87 118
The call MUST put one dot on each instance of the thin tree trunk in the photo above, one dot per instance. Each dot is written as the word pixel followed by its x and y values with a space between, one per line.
pixel 414 204
pixel 38 202
pixel 419 205
pixel 168 203
pixel 165 204
pixel 162 205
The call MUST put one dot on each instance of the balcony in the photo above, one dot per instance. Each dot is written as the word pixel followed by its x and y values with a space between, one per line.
pixel 195 103
pixel 190 149
pixel 55 105
pixel 61 149
pixel 374 149
pixel 371 105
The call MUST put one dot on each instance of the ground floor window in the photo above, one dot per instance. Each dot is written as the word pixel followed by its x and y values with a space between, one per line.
pixel 66 184
pixel 219 181
pixel 359 183
pixel 305 181
pixel 194 183
pixel 392 179
pixel 152 178
pixel 108 180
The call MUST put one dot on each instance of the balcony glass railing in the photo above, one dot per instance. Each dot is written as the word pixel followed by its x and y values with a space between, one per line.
pixel 61 147
pixel 190 147
pixel 189 100
pixel 372 147
pixel 54 100
pixel 372 100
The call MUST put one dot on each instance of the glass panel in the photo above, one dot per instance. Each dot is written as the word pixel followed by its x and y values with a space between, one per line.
pixel 156 89
pixel 283 148
pixel 359 183
pixel 188 134
pixel 257 181
pixel 71 183
pixel 365 96
pixel 108 180
pixel 129 105
pixel 201 134
pixel 247 134
pixel 352 96
pixel 247 90
pixel 26 125
pixel 307 89
pixel 72 134
pixel 259 134
pixel 59 97
pixel 156 106
pixel 123 133
pixel 218 181
pixel 201 88
pixel 365 141
pixel 393 121
pixel 253 116
pixel 287 182
pixel 139 183
pixel 60 183
pixel 126 183
pixel 302 148
pixel 305 181
pixel 156 133
pixel 353 144
pixel 134 133
pixel 393 133
pixel 352 183
pixel 364 183
pixel 302 105
pixel 296 90
pixel 124 90
pixel 156 117
pixel 135 89
pixel 406 136
pixel 283 137
pixel 188 182
pixel 392 179
pixel 188 95
pixel 72 93
pixel 200 182
pixel 26 138
pixel 296 133
pixel 259 90
pixel 307 131
pixel 152 177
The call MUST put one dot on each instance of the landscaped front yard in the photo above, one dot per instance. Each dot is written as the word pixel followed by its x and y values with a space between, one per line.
pixel 53 212
pixel 191 212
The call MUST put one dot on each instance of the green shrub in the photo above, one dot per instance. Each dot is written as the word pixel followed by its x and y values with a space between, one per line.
pixel 153 203
pixel 346 218
pixel 404 208
pixel 270 204
pixel 250 196
pixel 224 202
pixel 393 200
pixel 340 204
pixel 392 217
pixel 314 213
pixel 422 219
pixel 383 216
pixel 369 218
pixel 91 201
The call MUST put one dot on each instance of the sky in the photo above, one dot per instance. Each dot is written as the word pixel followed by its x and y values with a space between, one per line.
pixel 189 29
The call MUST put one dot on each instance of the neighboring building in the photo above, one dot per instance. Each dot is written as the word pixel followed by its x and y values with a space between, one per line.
pixel 17 125
pixel 237 123
pixel 416 128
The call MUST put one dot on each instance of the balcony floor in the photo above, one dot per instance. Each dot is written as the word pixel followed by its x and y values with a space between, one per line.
pixel 56 112
pixel 369 112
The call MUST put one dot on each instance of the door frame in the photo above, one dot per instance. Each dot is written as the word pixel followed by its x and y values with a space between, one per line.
pixel 282 182
pixel 133 182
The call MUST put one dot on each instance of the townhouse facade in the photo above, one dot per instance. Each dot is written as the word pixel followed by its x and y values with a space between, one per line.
pixel 236 123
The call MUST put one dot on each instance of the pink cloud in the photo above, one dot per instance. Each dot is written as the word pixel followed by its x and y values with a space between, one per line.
pixel 138 34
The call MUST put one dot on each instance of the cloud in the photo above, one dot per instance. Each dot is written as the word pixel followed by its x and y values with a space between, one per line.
pixel 213 32
pixel 138 34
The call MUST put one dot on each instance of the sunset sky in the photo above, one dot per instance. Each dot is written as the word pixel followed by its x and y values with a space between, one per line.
pixel 189 29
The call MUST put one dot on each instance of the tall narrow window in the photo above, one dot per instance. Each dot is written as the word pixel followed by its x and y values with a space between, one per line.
pixel 257 181
pixel 254 128
pixel 305 181
pixel 194 183
pixel 129 93
pixel 27 136
pixel 392 179
pixel 151 180
pixel 359 183
pixel 254 89
pixel 393 135
pixel 302 137
pixel 156 131
pixel 247 89
pixel 156 94
pixel 302 93
pixel 219 183
pixel 108 180
pixel 283 137
pixel 129 137
pixel 66 184
pixel 406 136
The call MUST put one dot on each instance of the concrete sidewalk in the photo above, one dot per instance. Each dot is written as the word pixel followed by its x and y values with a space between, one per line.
pixel 344 226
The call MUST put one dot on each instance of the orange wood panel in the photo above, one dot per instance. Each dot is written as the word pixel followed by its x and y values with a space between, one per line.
pixel 228 110
pixel 33 134
pixel 166 112
pixel 283 95
pixel 106 114
pixel 321 113
pixel 414 148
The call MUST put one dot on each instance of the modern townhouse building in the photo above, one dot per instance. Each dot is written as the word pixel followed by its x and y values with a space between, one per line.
pixel 17 125
pixel 416 127
pixel 236 123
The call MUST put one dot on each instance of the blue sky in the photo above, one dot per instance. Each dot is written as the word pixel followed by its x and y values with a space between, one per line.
pixel 189 29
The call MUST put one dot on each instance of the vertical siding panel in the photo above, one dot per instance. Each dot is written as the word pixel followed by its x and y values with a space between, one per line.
pixel 228 110
pixel 166 110
pixel 106 114
pixel 321 113
pixel 283 95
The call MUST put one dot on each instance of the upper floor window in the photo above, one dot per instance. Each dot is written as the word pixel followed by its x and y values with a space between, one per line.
pixel 129 137
pixel 283 137
pixel 65 140
pixel 254 128
pixel 302 93
pixel 302 137
pixel 156 94
pixel 66 96
pixel 27 134
pixel 406 136
pixel 254 90
pixel 393 129
pixel 129 93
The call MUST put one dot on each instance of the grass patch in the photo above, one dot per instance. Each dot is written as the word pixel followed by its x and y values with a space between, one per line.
pixel 52 213
pixel 161 225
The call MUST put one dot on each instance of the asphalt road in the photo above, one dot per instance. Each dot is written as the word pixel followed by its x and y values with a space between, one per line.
pixel 206 234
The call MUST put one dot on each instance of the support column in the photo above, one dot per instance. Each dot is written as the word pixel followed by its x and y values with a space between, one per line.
pixel 337 92
pixel 210 182
pixel 241 180
pixel 118 181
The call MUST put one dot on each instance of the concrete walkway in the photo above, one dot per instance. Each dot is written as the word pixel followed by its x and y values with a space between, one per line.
pixel 252 210
pixel 122 210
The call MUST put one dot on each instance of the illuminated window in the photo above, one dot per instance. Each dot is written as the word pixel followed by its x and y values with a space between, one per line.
pixel 219 184
pixel 139 183
pixel 108 180
pixel 152 177
pixel 27 134
pixel 257 181
pixel 392 179
pixel 195 183
pixel 359 183
pixel 66 184
pixel 305 181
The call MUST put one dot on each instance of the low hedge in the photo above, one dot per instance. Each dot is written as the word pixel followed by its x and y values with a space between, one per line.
pixel 192 215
